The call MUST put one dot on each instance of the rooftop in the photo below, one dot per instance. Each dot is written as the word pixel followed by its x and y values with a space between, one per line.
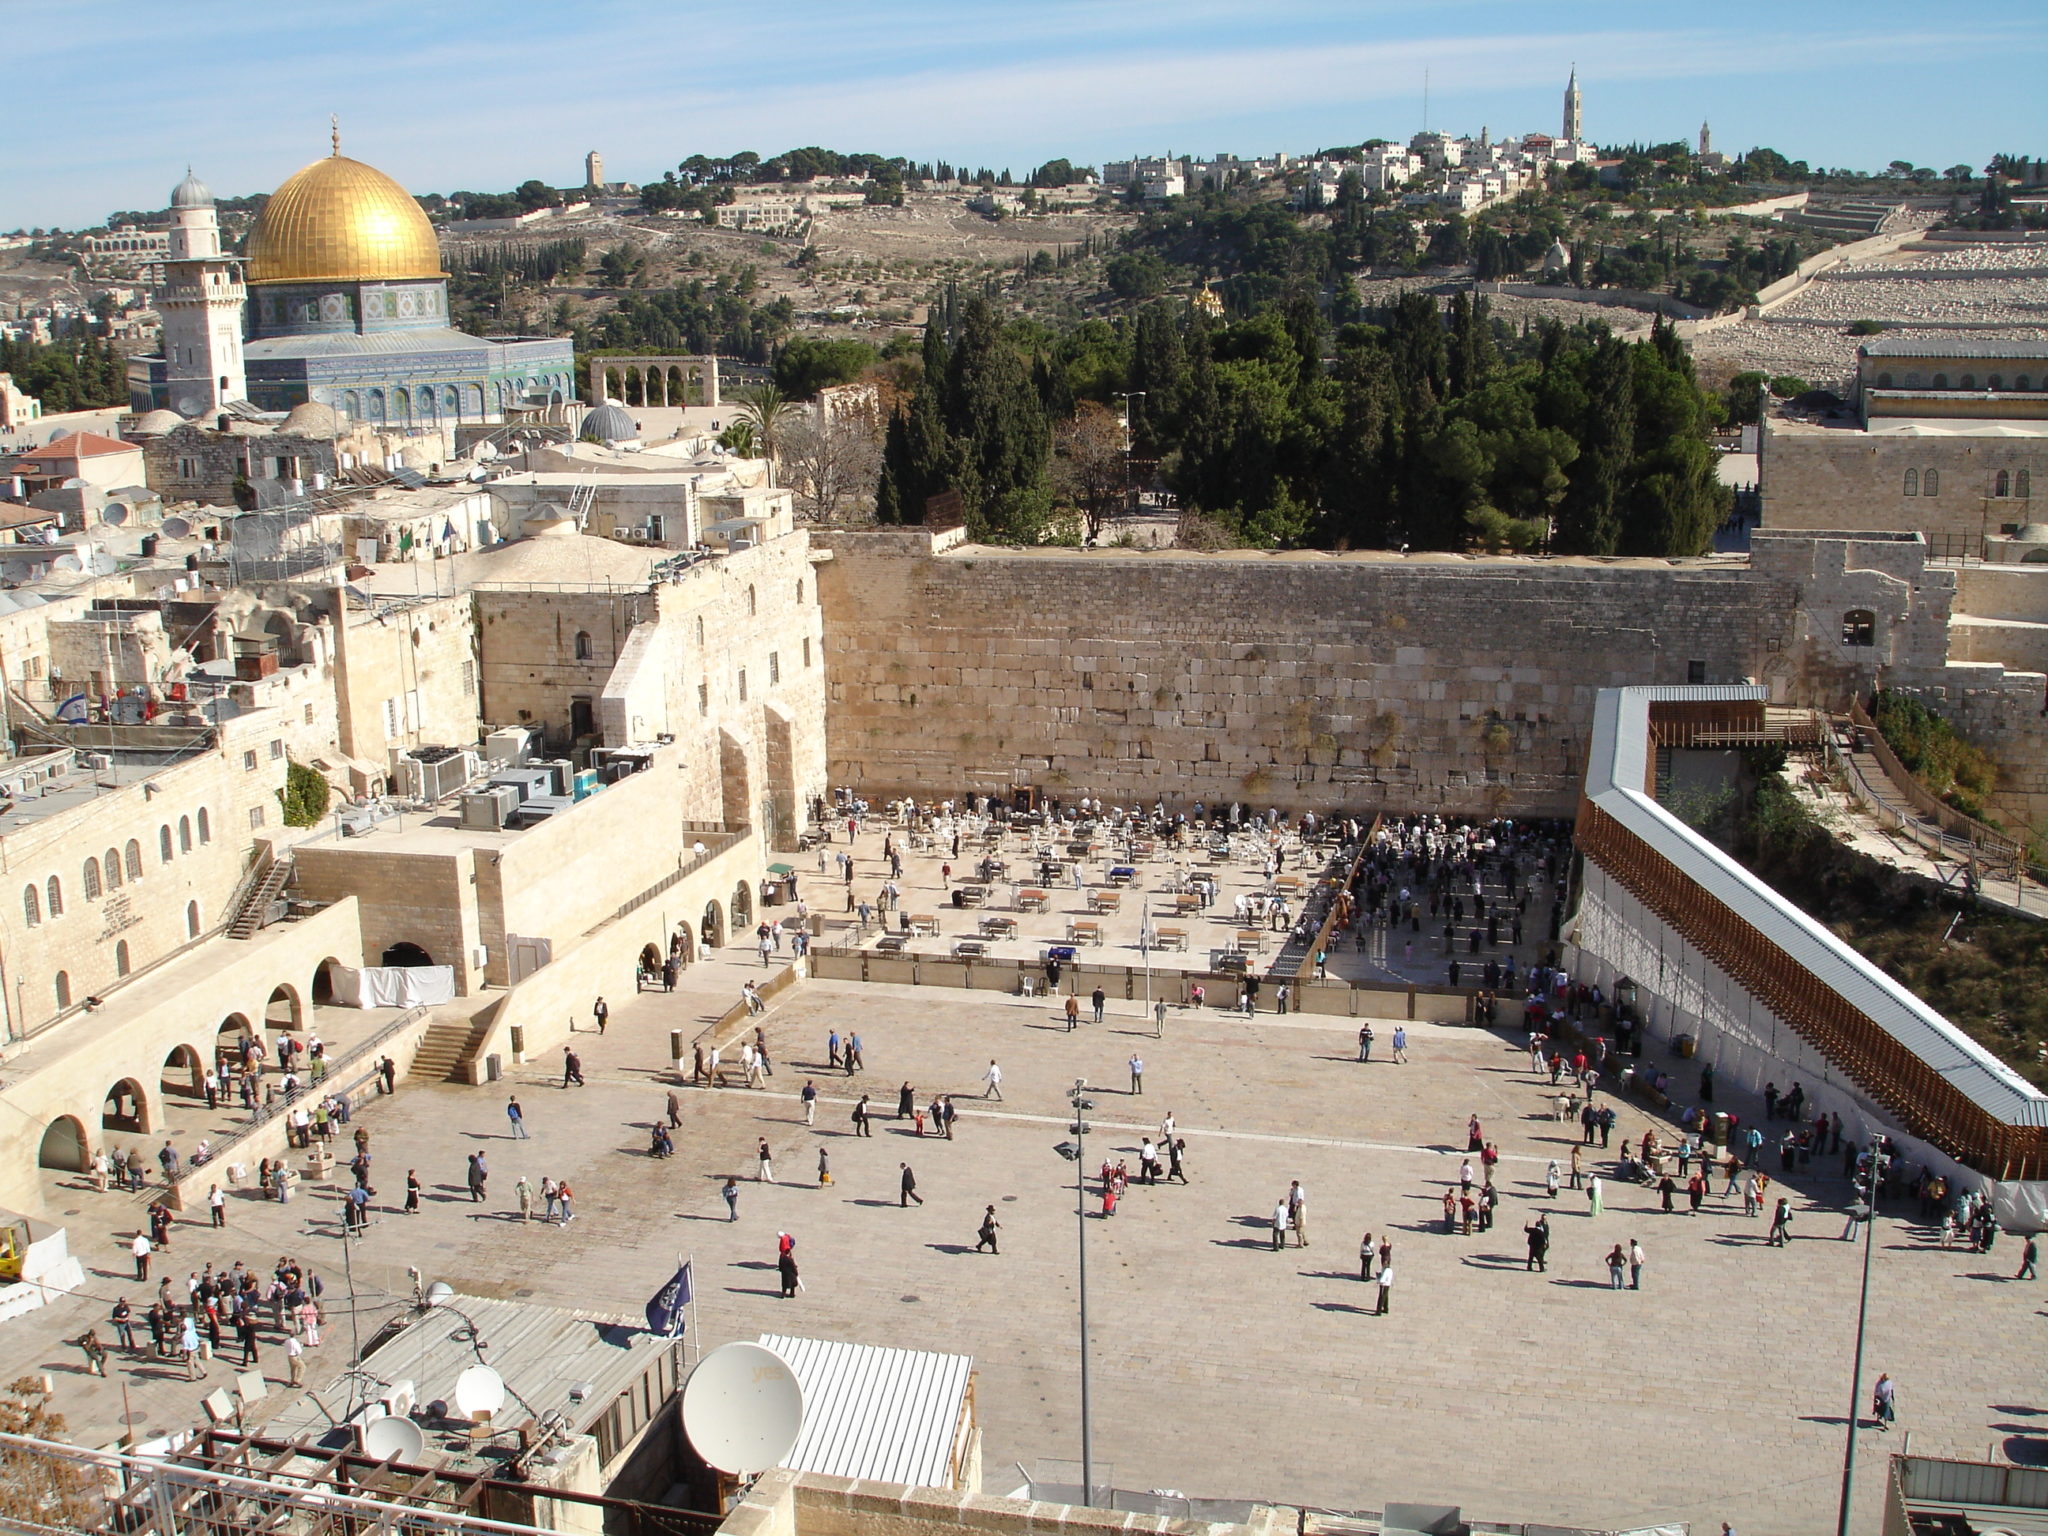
pixel 1950 346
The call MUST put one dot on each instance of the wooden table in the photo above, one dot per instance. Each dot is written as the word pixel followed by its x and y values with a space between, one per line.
pixel 1170 938
pixel 891 943
pixel 924 922
pixel 972 895
pixel 1084 930
pixel 1188 905
pixel 999 927
pixel 1030 899
pixel 969 948
pixel 1251 940
pixel 1104 901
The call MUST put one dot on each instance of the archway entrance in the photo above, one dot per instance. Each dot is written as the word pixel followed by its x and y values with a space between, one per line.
pixel 683 944
pixel 283 1011
pixel 184 1074
pixel 125 1110
pixel 713 926
pixel 650 961
pixel 323 982
pixel 63 1146
pixel 407 954
pixel 742 906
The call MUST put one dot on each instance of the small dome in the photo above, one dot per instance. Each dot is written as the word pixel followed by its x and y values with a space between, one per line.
pixel 2032 533
pixel 609 424
pixel 312 419
pixel 191 192
pixel 155 423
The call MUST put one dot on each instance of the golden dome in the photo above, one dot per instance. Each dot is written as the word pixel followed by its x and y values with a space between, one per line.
pixel 341 220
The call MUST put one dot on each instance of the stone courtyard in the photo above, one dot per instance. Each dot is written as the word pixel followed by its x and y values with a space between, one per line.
pixel 1715 1393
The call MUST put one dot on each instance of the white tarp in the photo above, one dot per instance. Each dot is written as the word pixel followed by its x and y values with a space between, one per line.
pixel 393 986
pixel 2020 1207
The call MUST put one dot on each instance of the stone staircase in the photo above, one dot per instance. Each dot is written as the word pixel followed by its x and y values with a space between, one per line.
pixel 447 1048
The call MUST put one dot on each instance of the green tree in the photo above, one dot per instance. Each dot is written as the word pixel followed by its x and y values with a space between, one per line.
pixel 304 796
pixel 808 364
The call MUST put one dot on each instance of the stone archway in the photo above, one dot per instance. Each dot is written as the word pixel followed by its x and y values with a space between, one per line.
pixel 283 1010
pixel 126 1110
pixel 650 959
pixel 184 1074
pixel 712 928
pixel 406 954
pixel 64 1146
pixel 323 981
pixel 742 906
pixel 685 944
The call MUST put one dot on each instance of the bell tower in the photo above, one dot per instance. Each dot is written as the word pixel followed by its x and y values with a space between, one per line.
pixel 1571 107
pixel 201 304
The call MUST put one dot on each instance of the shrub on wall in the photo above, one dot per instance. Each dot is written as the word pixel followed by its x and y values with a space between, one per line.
pixel 304 796
pixel 1934 753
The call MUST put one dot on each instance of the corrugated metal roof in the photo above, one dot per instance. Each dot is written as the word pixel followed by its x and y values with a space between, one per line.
pixel 1953 346
pixel 891 1414
pixel 1619 766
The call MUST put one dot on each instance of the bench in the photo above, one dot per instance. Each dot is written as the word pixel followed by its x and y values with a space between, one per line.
pixel 1084 931
pixel 1252 940
pixel 924 923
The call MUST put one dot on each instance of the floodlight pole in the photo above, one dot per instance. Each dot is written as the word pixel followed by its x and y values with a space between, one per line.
pixel 1869 1200
pixel 1081 1247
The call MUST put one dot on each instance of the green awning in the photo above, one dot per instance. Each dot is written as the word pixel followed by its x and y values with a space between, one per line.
pixel 781 869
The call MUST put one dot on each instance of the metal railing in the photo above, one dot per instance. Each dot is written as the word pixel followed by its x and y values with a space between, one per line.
pixel 1954 834
pixel 727 837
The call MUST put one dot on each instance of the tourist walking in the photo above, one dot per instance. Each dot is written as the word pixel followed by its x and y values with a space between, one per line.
pixel 1137 1065
pixel 985 1239
pixel 907 1187
pixel 994 1078
pixel 1400 1043
pixel 523 1190
pixel 572 1068
pixel 1539 1242
pixel 517 1116
pixel 731 1192
pixel 1884 1401
pixel 602 1013
pixel 764 1172
pixel 1386 1289
pixel 478 1173
pixel 1781 1224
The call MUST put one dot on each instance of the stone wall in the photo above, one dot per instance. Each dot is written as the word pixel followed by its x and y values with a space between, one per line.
pixel 405 676
pixel 1291 680
pixel 1816 478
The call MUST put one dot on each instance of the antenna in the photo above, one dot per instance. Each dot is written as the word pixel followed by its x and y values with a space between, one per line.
pixel 479 1392
pixel 392 1438
pixel 743 1408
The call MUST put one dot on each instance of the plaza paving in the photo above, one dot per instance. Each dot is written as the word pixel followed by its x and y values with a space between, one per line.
pixel 1221 1367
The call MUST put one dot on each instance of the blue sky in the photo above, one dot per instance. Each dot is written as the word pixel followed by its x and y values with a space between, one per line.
pixel 108 99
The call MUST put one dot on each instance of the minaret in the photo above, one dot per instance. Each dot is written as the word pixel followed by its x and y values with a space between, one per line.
pixel 1706 141
pixel 201 305
pixel 1571 108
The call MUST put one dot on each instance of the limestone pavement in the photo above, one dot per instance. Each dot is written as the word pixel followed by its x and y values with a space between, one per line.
pixel 1222 1368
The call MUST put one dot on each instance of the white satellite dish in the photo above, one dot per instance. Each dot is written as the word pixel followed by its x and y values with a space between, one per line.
pixel 479 1392
pixel 743 1408
pixel 177 528
pixel 114 514
pixel 392 1438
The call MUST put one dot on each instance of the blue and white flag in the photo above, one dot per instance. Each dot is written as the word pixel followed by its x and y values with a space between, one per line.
pixel 665 1307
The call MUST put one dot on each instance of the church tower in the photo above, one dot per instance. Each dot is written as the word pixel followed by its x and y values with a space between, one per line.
pixel 1571 108
pixel 1706 141
pixel 201 304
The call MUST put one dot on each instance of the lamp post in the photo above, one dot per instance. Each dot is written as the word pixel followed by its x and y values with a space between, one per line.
pixel 1865 1209
pixel 1077 1151
pixel 1130 440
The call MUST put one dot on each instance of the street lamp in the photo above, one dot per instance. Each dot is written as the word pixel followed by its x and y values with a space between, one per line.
pixel 1076 1151
pixel 1865 1210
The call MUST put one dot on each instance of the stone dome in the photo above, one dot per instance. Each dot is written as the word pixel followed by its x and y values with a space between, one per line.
pixel 155 423
pixel 609 424
pixel 191 192
pixel 310 418
pixel 339 220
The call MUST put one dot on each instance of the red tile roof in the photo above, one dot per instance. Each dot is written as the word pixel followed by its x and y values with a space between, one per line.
pixel 79 445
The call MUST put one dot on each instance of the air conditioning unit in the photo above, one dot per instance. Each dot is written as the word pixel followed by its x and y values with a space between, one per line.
pixel 434 773
pixel 97 762
pixel 400 1400
pixel 489 809
pixel 511 746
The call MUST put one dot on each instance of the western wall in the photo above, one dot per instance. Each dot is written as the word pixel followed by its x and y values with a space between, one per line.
pixel 1297 680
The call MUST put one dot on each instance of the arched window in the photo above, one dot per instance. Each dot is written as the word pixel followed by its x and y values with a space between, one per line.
pixel 750 602
pixel 2023 484
pixel 1996 381
pixel 1912 482
pixel 583 645
pixel 163 843
pixel 1859 627
pixel 1967 381
pixel 55 893
pixel 184 834
pixel 113 866
pixel 206 829
pixel 191 919
pixel 121 958
pixel 799 589
pixel 1884 381
pixel 2001 484
pixel 92 879
pixel 63 989
pixel 1930 485
pixel 132 855
pixel 1941 381
pixel 2023 382
pixel 31 906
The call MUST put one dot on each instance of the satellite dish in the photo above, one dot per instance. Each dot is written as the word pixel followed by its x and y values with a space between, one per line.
pixel 392 1438
pixel 743 1408
pixel 67 563
pixel 114 514
pixel 479 1392
pixel 177 528
pixel 439 1292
